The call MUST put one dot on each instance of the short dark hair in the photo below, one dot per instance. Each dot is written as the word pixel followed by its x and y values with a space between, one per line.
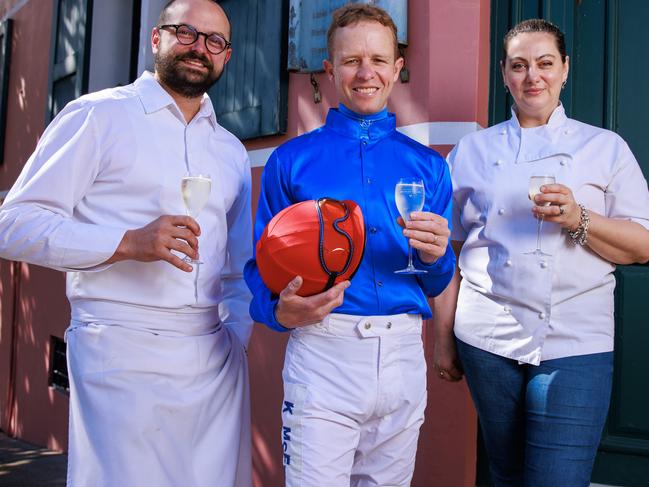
pixel 162 18
pixel 353 13
pixel 536 25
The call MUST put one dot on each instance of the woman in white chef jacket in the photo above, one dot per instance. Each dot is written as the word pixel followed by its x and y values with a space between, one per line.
pixel 533 327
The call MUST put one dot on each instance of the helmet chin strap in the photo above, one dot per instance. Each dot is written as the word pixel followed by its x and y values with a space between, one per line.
pixel 333 274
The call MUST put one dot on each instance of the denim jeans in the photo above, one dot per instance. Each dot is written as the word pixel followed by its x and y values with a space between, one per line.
pixel 541 424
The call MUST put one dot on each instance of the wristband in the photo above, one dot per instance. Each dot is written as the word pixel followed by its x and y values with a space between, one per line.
pixel 580 235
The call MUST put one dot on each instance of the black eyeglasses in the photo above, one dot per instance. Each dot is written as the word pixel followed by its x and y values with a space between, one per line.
pixel 187 35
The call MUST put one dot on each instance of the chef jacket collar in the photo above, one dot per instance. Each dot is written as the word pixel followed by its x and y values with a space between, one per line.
pixel 557 119
pixel 548 140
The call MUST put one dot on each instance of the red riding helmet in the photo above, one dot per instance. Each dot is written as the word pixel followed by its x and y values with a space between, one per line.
pixel 322 241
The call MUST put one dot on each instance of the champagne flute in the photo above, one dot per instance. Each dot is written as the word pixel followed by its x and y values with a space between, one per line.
pixel 409 196
pixel 534 188
pixel 195 189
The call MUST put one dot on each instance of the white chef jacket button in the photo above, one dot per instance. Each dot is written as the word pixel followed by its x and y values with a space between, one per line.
pixel 508 263
pixel 562 162
pixel 544 264
pixel 541 315
pixel 501 211
pixel 566 132
pixel 498 162
pixel 507 309
pixel 388 325
pixel 503 131
pixel 368 325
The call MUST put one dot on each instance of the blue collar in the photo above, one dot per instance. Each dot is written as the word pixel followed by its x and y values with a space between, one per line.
pixel 372 117
pixel 351 124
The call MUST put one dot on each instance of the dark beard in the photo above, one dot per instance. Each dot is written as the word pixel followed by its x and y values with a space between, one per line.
pixel 179 79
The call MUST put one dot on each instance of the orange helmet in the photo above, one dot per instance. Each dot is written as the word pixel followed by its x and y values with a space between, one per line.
pixel 322 241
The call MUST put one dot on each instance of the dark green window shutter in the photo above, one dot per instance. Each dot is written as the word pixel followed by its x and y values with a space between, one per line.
pixel 5 60
pixel 70 50
pixel 250 99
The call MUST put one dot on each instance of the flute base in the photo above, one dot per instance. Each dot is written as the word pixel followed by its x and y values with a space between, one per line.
pixel 411 270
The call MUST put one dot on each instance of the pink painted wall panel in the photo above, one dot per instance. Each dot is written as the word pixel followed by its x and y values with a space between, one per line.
pixel 454 47
pixel 41 413
pixel 28 79
pixel 6 340
pixel 36 413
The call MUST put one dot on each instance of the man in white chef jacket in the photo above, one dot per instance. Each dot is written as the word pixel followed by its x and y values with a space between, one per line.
pixel 158 375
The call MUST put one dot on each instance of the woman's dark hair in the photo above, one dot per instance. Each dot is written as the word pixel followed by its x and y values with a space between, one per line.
pixel 536 25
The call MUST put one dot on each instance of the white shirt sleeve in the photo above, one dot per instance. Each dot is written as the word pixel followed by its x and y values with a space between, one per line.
pixel 234 307
pixel 37 223
pixel 626 195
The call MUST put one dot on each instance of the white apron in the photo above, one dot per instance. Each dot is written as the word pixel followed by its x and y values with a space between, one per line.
pixel 163 410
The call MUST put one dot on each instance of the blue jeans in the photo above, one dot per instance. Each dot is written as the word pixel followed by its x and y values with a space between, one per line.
pixel 541 424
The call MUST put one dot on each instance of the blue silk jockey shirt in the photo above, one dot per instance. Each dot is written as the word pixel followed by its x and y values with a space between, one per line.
pixel 360 158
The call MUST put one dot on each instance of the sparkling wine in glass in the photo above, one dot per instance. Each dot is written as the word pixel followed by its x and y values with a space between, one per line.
pixel 195 190
pixel 534 188
pixel 409 195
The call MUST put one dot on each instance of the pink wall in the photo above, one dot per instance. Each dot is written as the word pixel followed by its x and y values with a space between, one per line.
pixel 28 78
pixel 448 62
pixel 29 409
pixel 448 59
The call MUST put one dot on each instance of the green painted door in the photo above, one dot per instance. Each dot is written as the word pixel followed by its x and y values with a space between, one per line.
pixel 608 86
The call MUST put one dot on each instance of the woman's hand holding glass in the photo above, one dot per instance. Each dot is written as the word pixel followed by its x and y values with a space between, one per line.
pixel 555 203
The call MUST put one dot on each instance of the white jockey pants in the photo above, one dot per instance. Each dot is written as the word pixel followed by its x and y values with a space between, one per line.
pixel 354 399
pixel 153 410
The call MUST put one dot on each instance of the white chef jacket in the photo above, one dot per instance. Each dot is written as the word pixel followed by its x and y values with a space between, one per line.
pixel 528 307
pixel 113 161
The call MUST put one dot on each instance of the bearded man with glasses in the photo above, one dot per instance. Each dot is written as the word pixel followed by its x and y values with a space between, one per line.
pixel 158 375
pixel 179 80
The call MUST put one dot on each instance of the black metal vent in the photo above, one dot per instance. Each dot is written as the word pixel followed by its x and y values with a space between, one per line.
pixel 58 365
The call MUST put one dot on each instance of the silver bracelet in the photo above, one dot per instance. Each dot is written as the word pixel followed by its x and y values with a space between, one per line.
pixel 580 235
